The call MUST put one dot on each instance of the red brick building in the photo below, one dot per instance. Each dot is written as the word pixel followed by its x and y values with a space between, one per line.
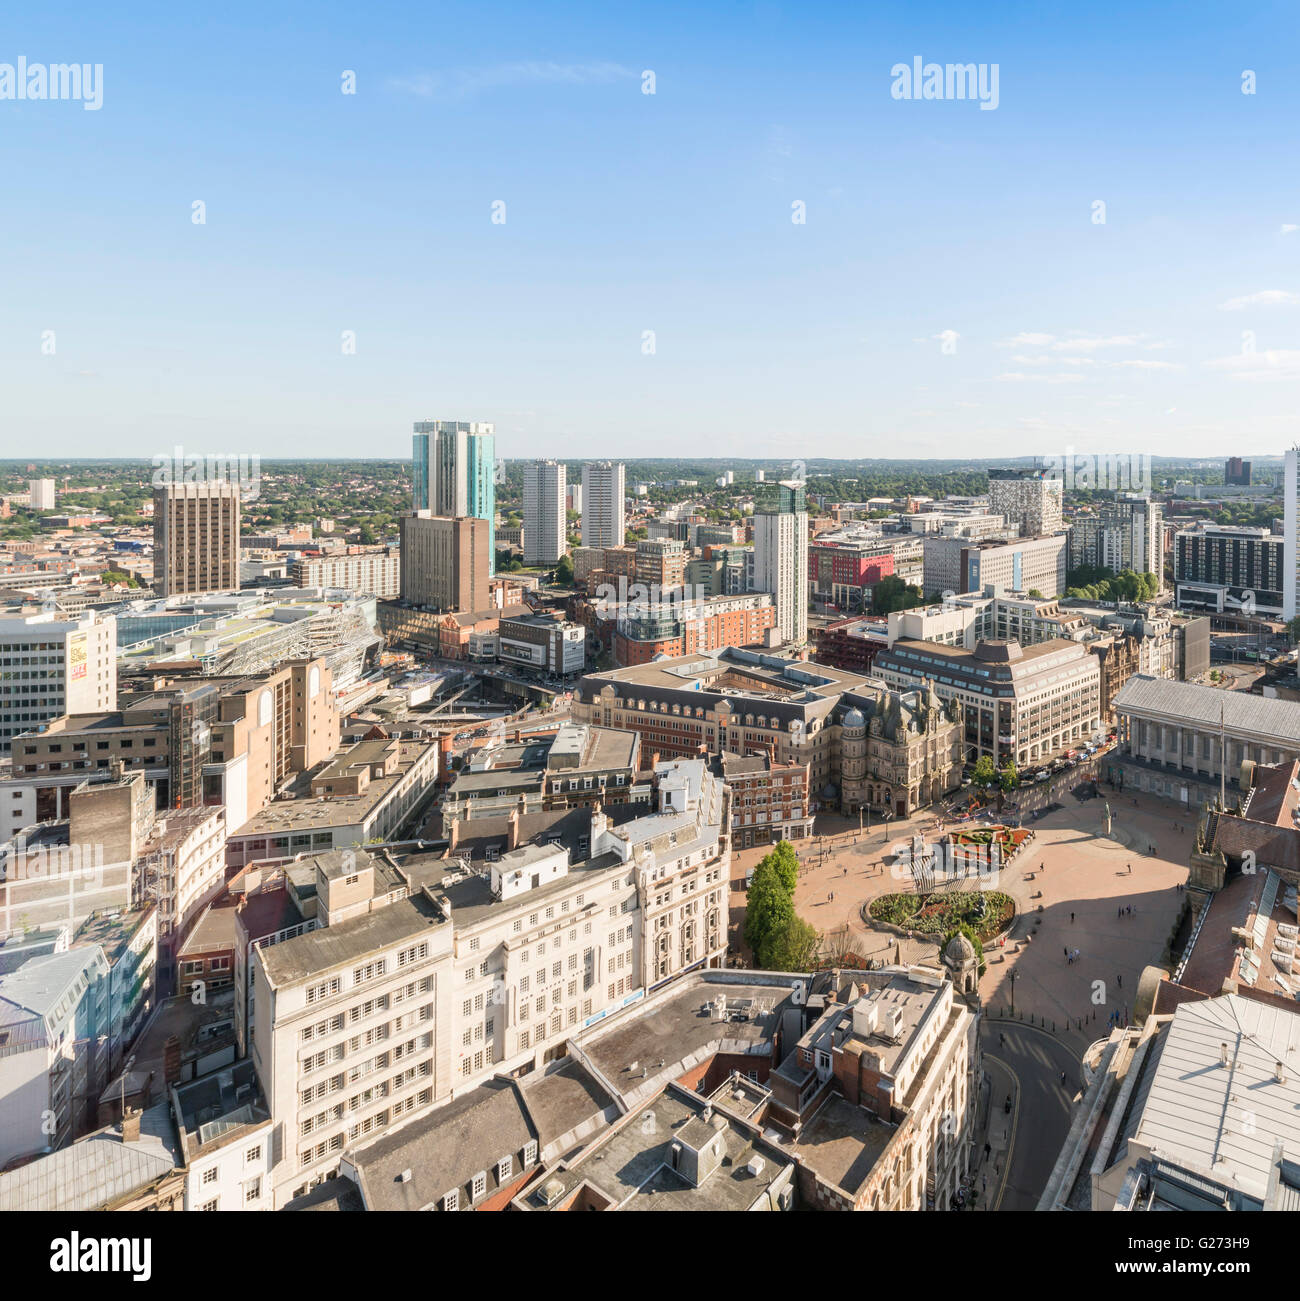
pixel 676 628
pixel 769 801
pixel 852 643
pixel 845 572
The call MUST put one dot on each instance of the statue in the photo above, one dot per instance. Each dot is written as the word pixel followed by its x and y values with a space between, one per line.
pixel 1108 817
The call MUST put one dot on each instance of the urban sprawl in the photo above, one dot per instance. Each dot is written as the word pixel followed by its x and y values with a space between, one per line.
pixel 460 833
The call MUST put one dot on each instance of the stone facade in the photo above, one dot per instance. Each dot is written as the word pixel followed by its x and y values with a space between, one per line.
pixel 900 751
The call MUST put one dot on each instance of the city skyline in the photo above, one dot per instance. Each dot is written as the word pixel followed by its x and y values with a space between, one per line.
pixel 808 255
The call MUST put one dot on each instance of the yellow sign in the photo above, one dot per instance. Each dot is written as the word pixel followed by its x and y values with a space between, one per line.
pixel 77 656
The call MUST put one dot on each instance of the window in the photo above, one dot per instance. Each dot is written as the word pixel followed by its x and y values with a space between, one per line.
pixel 451 1200
pixel 322 990
pixel 253 1190
pixel 479 1185
pixel 210 1175
pixel 253 1154
pixel 530 1153
pixel 212 1205
pixel 504 1168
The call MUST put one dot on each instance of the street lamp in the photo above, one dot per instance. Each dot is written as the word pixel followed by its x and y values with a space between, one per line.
pixel 1013 993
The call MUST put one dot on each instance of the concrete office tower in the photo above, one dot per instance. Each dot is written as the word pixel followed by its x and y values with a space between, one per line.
pixel 41 492
pixel 1236 471
pixel 1029 498
pixel 1142 535
pixel 602 505
pixel 196 538
pixel 453 471
pixel 55 665
pixel 445 562
pixel 573 496
pixel 1290 525
pixel 781 555
pixel 544 532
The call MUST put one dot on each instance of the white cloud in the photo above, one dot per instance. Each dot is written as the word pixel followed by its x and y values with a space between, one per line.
pixel 781 142
pixel 1281 364
pixel 459 82
pixel 1143 363
pixel 1028 339
pixel 1056 377
pixel 1265 298
pixel 1288 228
pixel 1091 343
pixel 1048 360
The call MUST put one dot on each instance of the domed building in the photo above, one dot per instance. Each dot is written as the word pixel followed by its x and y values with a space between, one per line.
pixel 899 751
pixel 963 965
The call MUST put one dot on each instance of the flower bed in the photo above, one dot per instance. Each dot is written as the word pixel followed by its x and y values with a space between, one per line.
pixel 1009 839
pixel 986 912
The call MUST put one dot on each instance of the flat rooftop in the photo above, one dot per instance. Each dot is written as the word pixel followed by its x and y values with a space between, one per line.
pixel 307 811
pixel 631 1169
pixel 321 950
pixel 841 1143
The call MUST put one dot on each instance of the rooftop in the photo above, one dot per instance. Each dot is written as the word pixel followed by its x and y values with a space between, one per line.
pixel 1197 706
pixel 321 950
pixel 96 1172
pixel 634 1167
pixel 1196 1109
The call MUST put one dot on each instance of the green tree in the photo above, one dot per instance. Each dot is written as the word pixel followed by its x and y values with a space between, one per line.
pixel 790 946
pixel 1293 630
pixel 983 774
pixel 787 865
pixel 767 904
pixel 564 572
pixel 1008 777
pixel 892 594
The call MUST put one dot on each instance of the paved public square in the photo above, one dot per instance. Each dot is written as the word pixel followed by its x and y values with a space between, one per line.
pixel 1081 879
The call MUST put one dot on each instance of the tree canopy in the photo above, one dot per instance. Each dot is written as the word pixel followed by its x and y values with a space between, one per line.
pixel 779 939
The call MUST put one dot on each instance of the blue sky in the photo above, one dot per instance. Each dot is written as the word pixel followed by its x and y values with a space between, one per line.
pixel 949 293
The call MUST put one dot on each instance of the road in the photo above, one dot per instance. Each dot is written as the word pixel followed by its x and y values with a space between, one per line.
pixel 1043 1108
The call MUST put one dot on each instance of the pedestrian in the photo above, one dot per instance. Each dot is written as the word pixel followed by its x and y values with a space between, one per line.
pixel 1119 980
pixel 1067 952
pixel 1119 912
pixel 1063 1077
pixel 1076 955
pixel 1072 917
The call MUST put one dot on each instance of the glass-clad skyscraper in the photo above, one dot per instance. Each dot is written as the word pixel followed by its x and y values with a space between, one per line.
pixel 453 471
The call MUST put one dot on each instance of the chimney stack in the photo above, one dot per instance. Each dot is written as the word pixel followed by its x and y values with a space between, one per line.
pixel 453 837
pixel 131 1125
pixel 172 1060
pixel 512 840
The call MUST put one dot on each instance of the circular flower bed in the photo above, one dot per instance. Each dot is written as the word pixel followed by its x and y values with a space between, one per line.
pixel 986 912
